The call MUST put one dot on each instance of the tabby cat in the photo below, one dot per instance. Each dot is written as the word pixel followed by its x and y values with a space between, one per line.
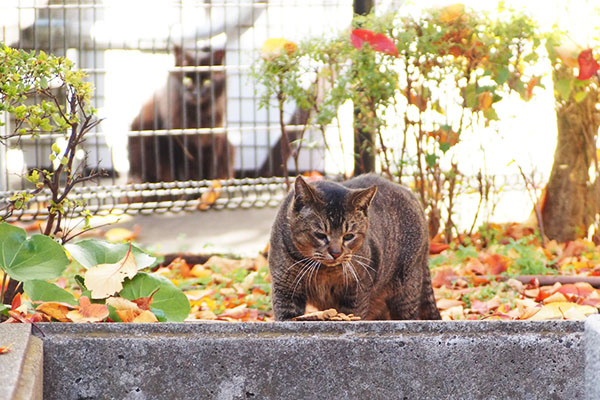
pixel 360 247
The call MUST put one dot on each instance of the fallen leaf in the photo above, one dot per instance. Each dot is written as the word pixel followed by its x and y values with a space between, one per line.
pixel 211 196
pixel 556 297
pixel 145 316
pixel 107 279
pixel 88 312
pixel 122 234
pixel 444 277
pixel 559 310
pixel 497 263
pixel 57 311
pixel 4 349
pixel 444 304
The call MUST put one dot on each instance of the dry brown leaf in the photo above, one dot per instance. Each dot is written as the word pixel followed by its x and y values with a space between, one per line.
pixel 55 310
pixel 210 197
pixel 146 316
pixel 444 304
pixel 88 312
pixel 107 279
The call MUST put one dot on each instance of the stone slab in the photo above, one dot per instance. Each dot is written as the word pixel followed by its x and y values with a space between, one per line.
pixel 21 368
pixel 592 357
pixel 315 360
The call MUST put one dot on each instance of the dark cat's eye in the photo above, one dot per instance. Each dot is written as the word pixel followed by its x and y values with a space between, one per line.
pixel 321 236
pixel 348 237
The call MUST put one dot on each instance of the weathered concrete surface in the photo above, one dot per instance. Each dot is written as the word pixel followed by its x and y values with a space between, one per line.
pixel 21 368
pixel 592 357
pixel 367 360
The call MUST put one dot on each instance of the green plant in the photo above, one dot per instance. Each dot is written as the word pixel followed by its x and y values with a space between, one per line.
pixel 416 100
pixel 528 260
pixel 60 109
pixel 110 274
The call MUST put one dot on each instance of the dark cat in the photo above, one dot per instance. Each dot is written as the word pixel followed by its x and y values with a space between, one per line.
pixel 184 103
pixel 360 247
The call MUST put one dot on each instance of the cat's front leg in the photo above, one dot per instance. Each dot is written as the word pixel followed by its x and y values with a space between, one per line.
pixel 287 304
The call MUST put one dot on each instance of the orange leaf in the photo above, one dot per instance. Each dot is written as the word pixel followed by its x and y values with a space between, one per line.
pixel 88 312
pixel 58 311
pixel 16 302
pixel 497 263
pixel 4 349
pixel 144 302
pixel 211 196
pixel 444 277
pixel 485 100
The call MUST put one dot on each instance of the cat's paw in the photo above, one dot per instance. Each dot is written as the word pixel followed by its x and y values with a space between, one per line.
pixel 327 315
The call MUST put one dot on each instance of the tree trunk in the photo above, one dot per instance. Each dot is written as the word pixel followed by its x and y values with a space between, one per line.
pixel 571 202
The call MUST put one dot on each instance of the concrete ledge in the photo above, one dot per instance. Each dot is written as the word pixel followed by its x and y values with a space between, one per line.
pixel 21 369
pixel 368 360
pixel 592 357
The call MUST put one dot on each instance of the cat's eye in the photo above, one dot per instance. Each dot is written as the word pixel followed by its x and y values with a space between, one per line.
pixel 348 237
pixel 320 236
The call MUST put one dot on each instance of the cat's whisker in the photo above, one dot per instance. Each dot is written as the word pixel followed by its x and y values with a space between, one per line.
pixel 298 262
pixel 366 267
pixel 353 272
pixel 303 271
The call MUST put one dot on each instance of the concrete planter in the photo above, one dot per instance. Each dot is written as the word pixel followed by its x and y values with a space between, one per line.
pixel 321 360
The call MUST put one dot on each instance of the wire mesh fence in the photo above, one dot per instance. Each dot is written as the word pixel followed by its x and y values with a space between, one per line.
pixel 178 106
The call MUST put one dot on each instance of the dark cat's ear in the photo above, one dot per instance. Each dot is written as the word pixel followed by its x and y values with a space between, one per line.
pixel 361 199
pixel 179 56
pixel 305 194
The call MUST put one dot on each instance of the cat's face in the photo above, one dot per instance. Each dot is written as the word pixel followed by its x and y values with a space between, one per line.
pixel 328 225
pixel 197 84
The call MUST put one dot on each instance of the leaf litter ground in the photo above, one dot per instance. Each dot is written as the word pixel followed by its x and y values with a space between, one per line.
pixel 501 272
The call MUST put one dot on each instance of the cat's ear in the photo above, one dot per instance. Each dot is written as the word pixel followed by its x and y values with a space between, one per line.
pixel 305 194
pixel 179 61
pixel 362 199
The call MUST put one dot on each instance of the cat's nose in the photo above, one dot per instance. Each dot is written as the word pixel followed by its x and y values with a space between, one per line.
pixel 335 254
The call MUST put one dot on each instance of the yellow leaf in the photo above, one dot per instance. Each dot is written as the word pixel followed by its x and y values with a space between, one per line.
pixel 120 303
pixel 485 100
pixel 451 13
pixel 146 316
pixel 210 197
pixel 122 234
pixel 107 279
pixel 562 310
pixel 275 47
pixel 556 297
pixel 200 271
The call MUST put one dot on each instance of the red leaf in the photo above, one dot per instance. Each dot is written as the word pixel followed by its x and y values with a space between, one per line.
pixel 16 302
pixel 587 65
pixel 378 41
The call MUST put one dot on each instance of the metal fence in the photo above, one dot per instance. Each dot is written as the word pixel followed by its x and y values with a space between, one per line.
pixel 179 107
pixel 172 86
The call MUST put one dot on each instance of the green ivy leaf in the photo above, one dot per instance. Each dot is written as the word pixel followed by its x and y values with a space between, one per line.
pixel 38 257
pixel 564 88
pixel 39 290
pixel 92 252
pixel 169 299
pixel 431 159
